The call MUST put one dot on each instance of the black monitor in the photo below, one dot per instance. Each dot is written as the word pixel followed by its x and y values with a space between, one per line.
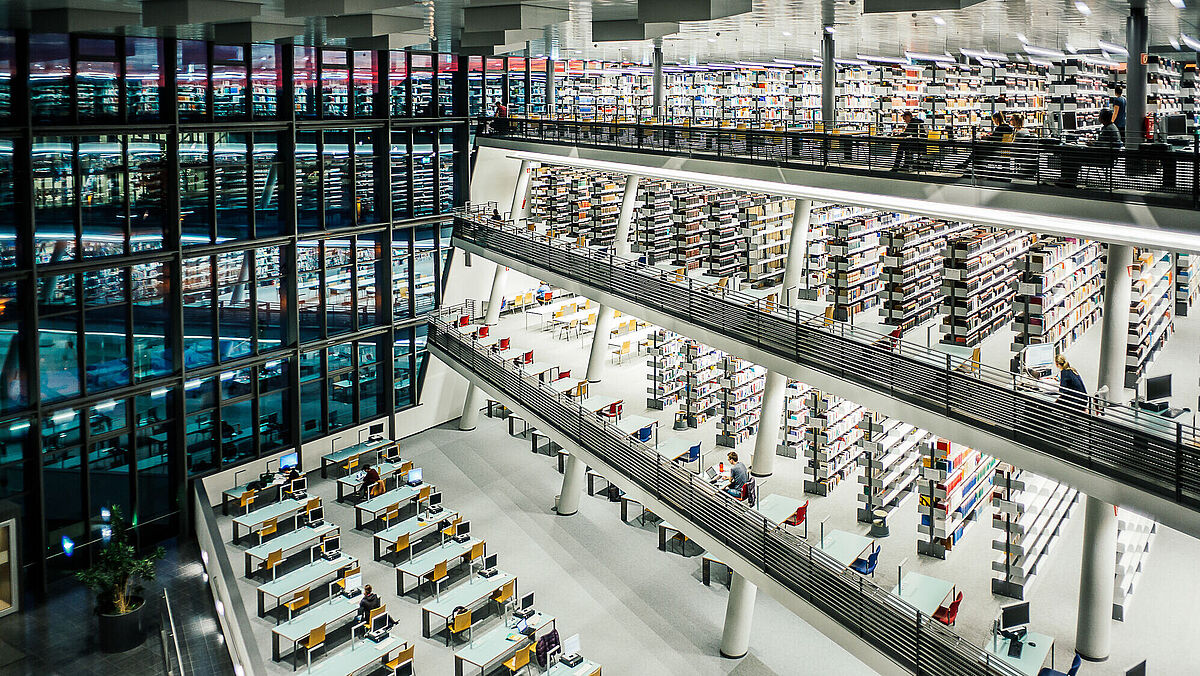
pixel 1175 125
pixel 331 545
pixel 435 499
pixel 377 429
pixel 316 514
pixel 463 528
pixel 299 485
pixel 490 561
pixel 1014 615
pixel 527 601
pixel 1158 388
pixel 1069 121
pixel 379 622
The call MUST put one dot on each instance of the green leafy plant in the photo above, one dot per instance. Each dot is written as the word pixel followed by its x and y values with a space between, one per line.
pixel 115 573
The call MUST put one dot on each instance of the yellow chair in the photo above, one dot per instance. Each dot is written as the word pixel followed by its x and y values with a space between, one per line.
pixel 405 468
pixel 504 596
pixel 476 552
pixel 346 575
pixel 620 353
pixel 437 577
pixel 312 504
pixel 269 527
pixel 247 499
pixel 378 488
pixel 391 514
pixel 375 612
pixel 459 624
pixel 273 559
pixel 402 543
pixel 520 661
pixel 403 659
pixel 314 640
pixel 298 601
pixel 423 495
pixel 450 531
pixel 351 465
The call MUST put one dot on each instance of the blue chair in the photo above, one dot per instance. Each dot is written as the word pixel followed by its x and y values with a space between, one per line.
pixel 1074 668
pixel 645 434
pixel 867 566
pixel 693 454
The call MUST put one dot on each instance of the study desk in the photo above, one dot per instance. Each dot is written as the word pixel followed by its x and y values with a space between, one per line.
pixel 563 385
pixel 634 338
pixel 1033 654
pixel 289 543
pixel 584 668
pixel 676 448
pixel 778 508
pixel 632 424
pixel 424 563
pixel 254 519
pixel 468 595
pixel 356 451
pixel 362 656
pixel 305 577
pixel 844 547
pixel 353 482
pixel 415 527
pixel 923 592
pixel 598 402
pixel 549 309
pixel 487 341
pixel 235 494
pixel 539 369
pixel 332 614
pixel 380 503
pixel 495 647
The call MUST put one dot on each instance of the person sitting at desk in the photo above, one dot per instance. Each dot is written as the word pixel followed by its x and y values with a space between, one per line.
pixel 370 478
pixel 370 601
pixel 906 151
pixel 1075 156
pixel 1109 135
pixel 1000 130
pixel 1071 390
pixel 543 292
pixel 738 475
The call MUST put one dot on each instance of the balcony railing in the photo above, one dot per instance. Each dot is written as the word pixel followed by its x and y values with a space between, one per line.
pixel 1134 447
pixel 1151 173
pixel 883 620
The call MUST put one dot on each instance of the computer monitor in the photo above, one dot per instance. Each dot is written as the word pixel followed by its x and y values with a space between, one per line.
pixel 414 476
pixel 353 583
pixel 435 499
pixel 1069 121
pixel 1039 356
pixel 490 561
pixel 463 528
pixel 299 485
pixel 376 429
pixel 1138 669
pixel 570 645
pixel 527 601
pixel 331 545
pixel 1158 388
pixel 1175 125
pixel 288 461
pixel 379 622
pixel 1014 615
pixel 316 514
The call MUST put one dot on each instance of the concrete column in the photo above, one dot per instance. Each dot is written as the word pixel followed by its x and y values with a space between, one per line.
pixel 1098 567
pixel 657 80
pixel 769 422
pixel 828 79
pixel 551 89
pixel 1093 628
pixel 1136 41
pixel 797 253
pixel 474 400
pixel 1115 321
pixel 739 616
pixel 621 247
pixel 572 486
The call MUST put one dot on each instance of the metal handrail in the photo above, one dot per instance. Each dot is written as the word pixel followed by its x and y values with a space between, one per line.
pixel 1135 447
pixel 883 620
pixel 1148 173
pixel 174 631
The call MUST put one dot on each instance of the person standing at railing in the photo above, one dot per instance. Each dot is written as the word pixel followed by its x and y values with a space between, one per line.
pixel 906 151
pixel 1118 103
pixel 1071 390
pixel 501 117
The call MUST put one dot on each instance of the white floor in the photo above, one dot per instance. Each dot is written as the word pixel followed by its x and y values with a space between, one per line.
pixel 1160 626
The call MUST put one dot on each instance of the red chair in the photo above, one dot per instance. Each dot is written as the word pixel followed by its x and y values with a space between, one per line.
pixel 800 517
pixel 947 615
pixel 614 410
pixel 483 332
pixel 503 344
pixel 527 358
pixel 464 320
pixel 564 374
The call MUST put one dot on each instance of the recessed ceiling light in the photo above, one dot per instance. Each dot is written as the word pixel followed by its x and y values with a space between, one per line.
pixel 1021 38
pixel 1178 4
pixel 1083 8
pixel 939 20
pixel 787 34
pixel 1174 43
pixel 712 39
pixel 829 29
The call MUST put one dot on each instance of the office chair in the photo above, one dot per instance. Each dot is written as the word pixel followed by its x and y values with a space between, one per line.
pixel 867 566
pixel 464 320
pixel 403 659
pixel 947 615
pixel 273 560
pixel 504 597
pixel 527 358
pixel 614 410
pixel 314 640
pixel 458 624
pixel 374 613
pixel 521 661
pixel 298 601
pixel 800 517
pixel 437 577
pixel 392 513
pixel 247 500
pixel 503 343
pixel 645 434
pixel 476 553
pixel 377 489
pixel 402 543
pixel 269 527
pixel 312 504
pixel 1047 671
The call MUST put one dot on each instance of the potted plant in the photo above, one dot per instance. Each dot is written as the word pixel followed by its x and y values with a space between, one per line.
pixel 114 577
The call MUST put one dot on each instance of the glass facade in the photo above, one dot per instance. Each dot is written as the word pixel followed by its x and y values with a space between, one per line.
pixel 209 253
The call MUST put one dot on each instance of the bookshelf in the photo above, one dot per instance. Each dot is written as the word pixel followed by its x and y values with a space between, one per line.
pixel 977 283
pixel 765 227
pixel 666 373
pixel 834 442
pixel 954 490
pixel 1059 288
pixel 723 248
pixel 702 372
pixel 740 401
pixel 1151 312
pixel 891 467
pixel 911 272
pixel 652 228
pixel 1081 85
pixel 1030 510
pixel 795 419
pixel 687 225
pixel 1134 535
pixel 1187 282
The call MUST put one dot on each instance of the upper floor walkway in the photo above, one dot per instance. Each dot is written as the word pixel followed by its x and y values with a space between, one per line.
pixel 1119 454
pixel 1153 187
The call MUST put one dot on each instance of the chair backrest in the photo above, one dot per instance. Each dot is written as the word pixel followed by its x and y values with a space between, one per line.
pixel 527 357
pixel 694 453
pixel 424 493
pixel 313 503
pixel 376 612
pixel 483 331
pixel 402 542
pixel 462 621
pixel 953 610
pixel 645 434
pixel 625 347
pixel 406 467
pixel 392 512
pixel 476 551
pixel 248 497
pixel 506 592
pixel 559 313
pixel 464 320
pixel 300 599
pixel 564 374
pixel 316 636
pixel 504 342
pixel 378 488
pixel 1075 663
pixel 439 570
pixel 403 657
pixel 522 657
pixel 269 526
pixel 873 558
pixel 274 559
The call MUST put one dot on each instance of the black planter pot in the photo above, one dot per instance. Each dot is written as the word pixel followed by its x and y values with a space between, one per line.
pixel 119 633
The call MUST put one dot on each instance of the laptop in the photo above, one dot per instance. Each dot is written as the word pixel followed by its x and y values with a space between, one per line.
pixel 712 473
pixel 414 477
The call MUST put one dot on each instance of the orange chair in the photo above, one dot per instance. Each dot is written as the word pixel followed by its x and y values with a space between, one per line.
pixel 247 499
pixel 314 640
pixel 298 601
pixel 273 560
pixel 269 527
pixel 437 577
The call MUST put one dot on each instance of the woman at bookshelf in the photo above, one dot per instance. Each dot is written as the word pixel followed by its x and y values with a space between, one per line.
pixel 1071 391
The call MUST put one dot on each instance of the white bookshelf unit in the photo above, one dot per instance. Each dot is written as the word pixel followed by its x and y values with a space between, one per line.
pixel 1030 511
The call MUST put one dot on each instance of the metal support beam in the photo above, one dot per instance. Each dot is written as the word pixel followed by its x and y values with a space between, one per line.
pixel 1093 628
pixel 828 80
pixel 1115 322
pixel 657 80
pixel 1136 40
pixel 797 254
pixel 606 317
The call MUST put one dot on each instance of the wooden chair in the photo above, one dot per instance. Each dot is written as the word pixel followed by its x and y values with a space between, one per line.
pixel 570 326
pixel 269 527
pixel 520 661
pixel 314 640
pixel 437 577
pixel 247 499
pixel 459 624
pixel 504 596
pixel 403 659
pixel 620 353
pixel 392 513
pixel 402 543
pixel 476 552
pixel 423 495
pixel 405 468
pixel 273 560
pixel 298 601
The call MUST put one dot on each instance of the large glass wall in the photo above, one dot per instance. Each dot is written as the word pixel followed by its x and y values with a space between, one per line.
pixel 221 251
